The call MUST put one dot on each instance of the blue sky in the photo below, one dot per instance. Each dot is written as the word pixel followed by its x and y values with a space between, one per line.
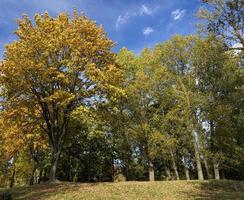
pixel 134 24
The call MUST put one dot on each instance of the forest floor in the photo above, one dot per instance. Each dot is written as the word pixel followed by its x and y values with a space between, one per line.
pixel 158 190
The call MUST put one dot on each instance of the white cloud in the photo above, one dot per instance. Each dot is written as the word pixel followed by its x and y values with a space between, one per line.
pixel 122 19
pixel 178 14
pixel 144 10
pixel 147 31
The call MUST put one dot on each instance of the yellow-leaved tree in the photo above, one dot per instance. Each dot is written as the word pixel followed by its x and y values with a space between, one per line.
pixel 55 66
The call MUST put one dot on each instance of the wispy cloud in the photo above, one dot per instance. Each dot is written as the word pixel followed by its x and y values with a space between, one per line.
pixel 142 10
pixel 178 14
pixel 147 31
pixel 122 19
pixel 145 10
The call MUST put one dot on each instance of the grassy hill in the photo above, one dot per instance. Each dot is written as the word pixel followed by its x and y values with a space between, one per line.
pixel 169 190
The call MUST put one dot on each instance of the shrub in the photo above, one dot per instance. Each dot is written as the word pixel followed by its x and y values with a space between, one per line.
pixel 119 178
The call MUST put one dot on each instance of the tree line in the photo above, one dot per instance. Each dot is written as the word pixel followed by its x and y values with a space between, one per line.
pixel 73 110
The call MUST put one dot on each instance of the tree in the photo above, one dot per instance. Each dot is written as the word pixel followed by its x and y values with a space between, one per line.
pixel 182 116
pixel 225 18
pixel 146 88
pixel 55 66
pixel 87 154
pixel 218 76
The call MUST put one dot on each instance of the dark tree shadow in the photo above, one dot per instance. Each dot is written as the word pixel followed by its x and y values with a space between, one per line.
pixel 221 190
pixel 38 192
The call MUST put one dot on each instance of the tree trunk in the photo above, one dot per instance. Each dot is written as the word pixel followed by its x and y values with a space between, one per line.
pixel 56 131
pixel 168 175
pixel 54 163
pixel 70 170
pixel 199 165
pixel 186 168
pixel 192 129
pixel 216 170
pixel 198 159
pixel 207 168
pixel 40 177
pixel 45 176
pixel 214 149
pixel 11 184
pixel 187 173
pixel 32 177
pixel 174 166
pixel 151 171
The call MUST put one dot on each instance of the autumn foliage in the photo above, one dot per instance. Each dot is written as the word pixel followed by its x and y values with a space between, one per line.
pixel 73 110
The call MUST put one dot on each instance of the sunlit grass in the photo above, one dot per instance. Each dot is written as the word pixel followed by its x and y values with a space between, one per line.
pixel 134 190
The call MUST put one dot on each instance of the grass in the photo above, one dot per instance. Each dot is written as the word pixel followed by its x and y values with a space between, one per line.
pixel 159 190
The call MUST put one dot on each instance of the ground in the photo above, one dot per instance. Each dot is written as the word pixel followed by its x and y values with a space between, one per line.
pixel 168 190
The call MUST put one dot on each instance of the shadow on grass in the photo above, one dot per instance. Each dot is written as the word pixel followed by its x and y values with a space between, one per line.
pixel 214 189
pixel 210 189
pixel 39 192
